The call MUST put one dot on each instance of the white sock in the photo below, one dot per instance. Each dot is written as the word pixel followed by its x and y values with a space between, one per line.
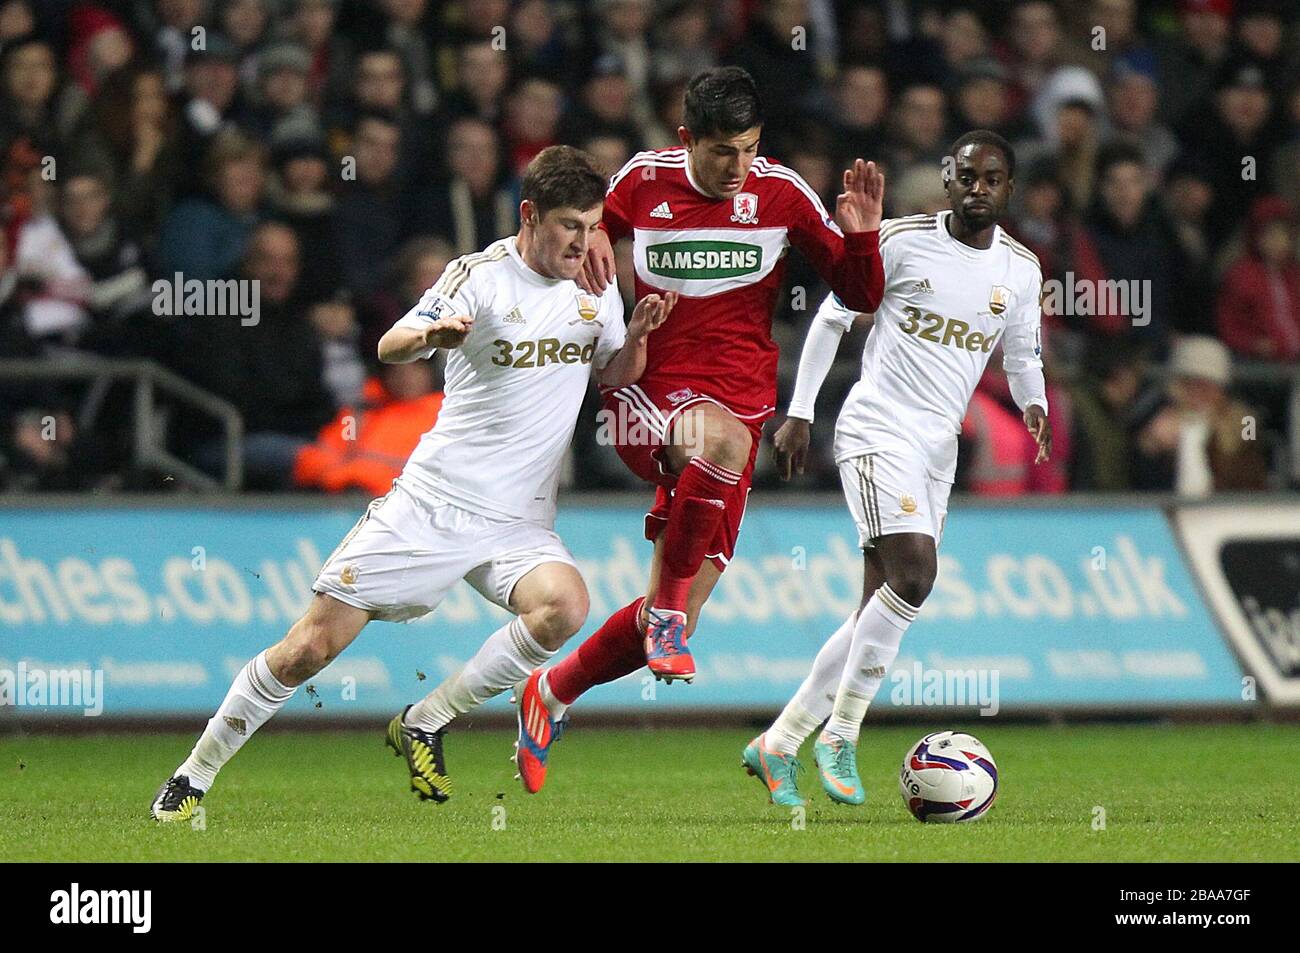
pixel 554 706
pixel 508 656
pixel 254 696
pixel 812 703
pixel 876 638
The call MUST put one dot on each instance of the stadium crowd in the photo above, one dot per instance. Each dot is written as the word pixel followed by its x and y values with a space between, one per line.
pixel 343 151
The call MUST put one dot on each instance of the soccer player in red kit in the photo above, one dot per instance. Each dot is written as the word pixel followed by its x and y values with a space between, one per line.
pixel 711 221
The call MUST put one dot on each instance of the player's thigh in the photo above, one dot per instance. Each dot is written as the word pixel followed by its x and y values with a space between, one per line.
pixel 529 571
pixel 893 503
pixel 873 573
pixel 316 639
pixel 707 430
pixel 402 557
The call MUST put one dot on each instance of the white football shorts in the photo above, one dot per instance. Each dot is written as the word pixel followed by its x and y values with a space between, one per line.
pixel 406 553
pixel 891 491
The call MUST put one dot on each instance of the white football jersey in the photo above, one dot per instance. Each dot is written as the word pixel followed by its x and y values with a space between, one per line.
pixel 946 307
pixel 514 387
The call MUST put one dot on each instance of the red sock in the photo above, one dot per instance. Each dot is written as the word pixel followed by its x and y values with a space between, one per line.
pixel 612 651
pixel 699 503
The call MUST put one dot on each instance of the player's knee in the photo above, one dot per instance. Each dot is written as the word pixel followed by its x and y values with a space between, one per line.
pixel 727 445
pixel 307 650
pixel 560 617
pixel 912 581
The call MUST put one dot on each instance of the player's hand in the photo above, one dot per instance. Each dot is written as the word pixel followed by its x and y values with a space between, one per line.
pixel 650 312
pixel 449 332
pixel 1041 430
pixel 598 269
pixel 791 442
pixel 860 206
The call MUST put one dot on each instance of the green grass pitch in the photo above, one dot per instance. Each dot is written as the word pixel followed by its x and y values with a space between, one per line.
pixel 1168 793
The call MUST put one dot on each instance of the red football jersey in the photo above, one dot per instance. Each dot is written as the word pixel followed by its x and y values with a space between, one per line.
pixel 726 259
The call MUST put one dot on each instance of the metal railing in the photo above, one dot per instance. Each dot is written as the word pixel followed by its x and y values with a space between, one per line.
pixel 148 379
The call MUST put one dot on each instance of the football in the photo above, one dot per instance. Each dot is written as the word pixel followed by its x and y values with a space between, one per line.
pixel 948 777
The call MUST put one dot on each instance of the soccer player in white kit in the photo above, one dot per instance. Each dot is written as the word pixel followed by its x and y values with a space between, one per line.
pixel 476 499
pixel 956 286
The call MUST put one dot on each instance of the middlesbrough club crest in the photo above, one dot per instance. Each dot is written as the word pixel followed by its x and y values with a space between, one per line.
pixel 745 208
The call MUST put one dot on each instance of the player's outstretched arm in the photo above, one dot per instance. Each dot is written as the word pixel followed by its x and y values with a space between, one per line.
pixel 819 347
pixel 625 367
pixel 402 345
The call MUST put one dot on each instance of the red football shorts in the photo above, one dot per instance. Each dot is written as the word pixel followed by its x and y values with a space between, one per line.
pixel 638 418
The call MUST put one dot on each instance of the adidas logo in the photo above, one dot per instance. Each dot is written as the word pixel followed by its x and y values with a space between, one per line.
pixel 923 287
pixel 237 725
pixel 661 211
pixel 515 317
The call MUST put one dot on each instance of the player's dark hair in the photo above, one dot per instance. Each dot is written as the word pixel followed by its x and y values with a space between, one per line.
pixel 722 101
pixel 986 137
pixel 562 177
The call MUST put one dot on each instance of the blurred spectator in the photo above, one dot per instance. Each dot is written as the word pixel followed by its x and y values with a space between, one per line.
pixel 416 268
pixel 1236 141
pixel 539 44
pixel 246 24
pixel 859 112
pixel 366 445
pixel 382 88
pixel 204 238
pixel 119 289
pixel 45 450
pixel 1036 50
pixel 16 20
pixel 298 194
pixel 172 24
pixel 1103 401
pixel 981 98
pixel 343 370
pixel 472 207
pixel 998 450
pixel 919 129
pixel 271 370
pixel 605 105
pixel 405 32
pixel 789 70
pixel 1133 98
pixel 1259 299
pixel 1135 245
pixel 211 86
pixel 35 105
pixel 1193 57
pixel 51 288
pixel 331 52
pixel 482 77
pixel 532 120
pixel 1200 440
pixel 98 46
pixel 368 219
pixel 684 42
pixel 279 105
pixel 132 139
pixel 609 151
